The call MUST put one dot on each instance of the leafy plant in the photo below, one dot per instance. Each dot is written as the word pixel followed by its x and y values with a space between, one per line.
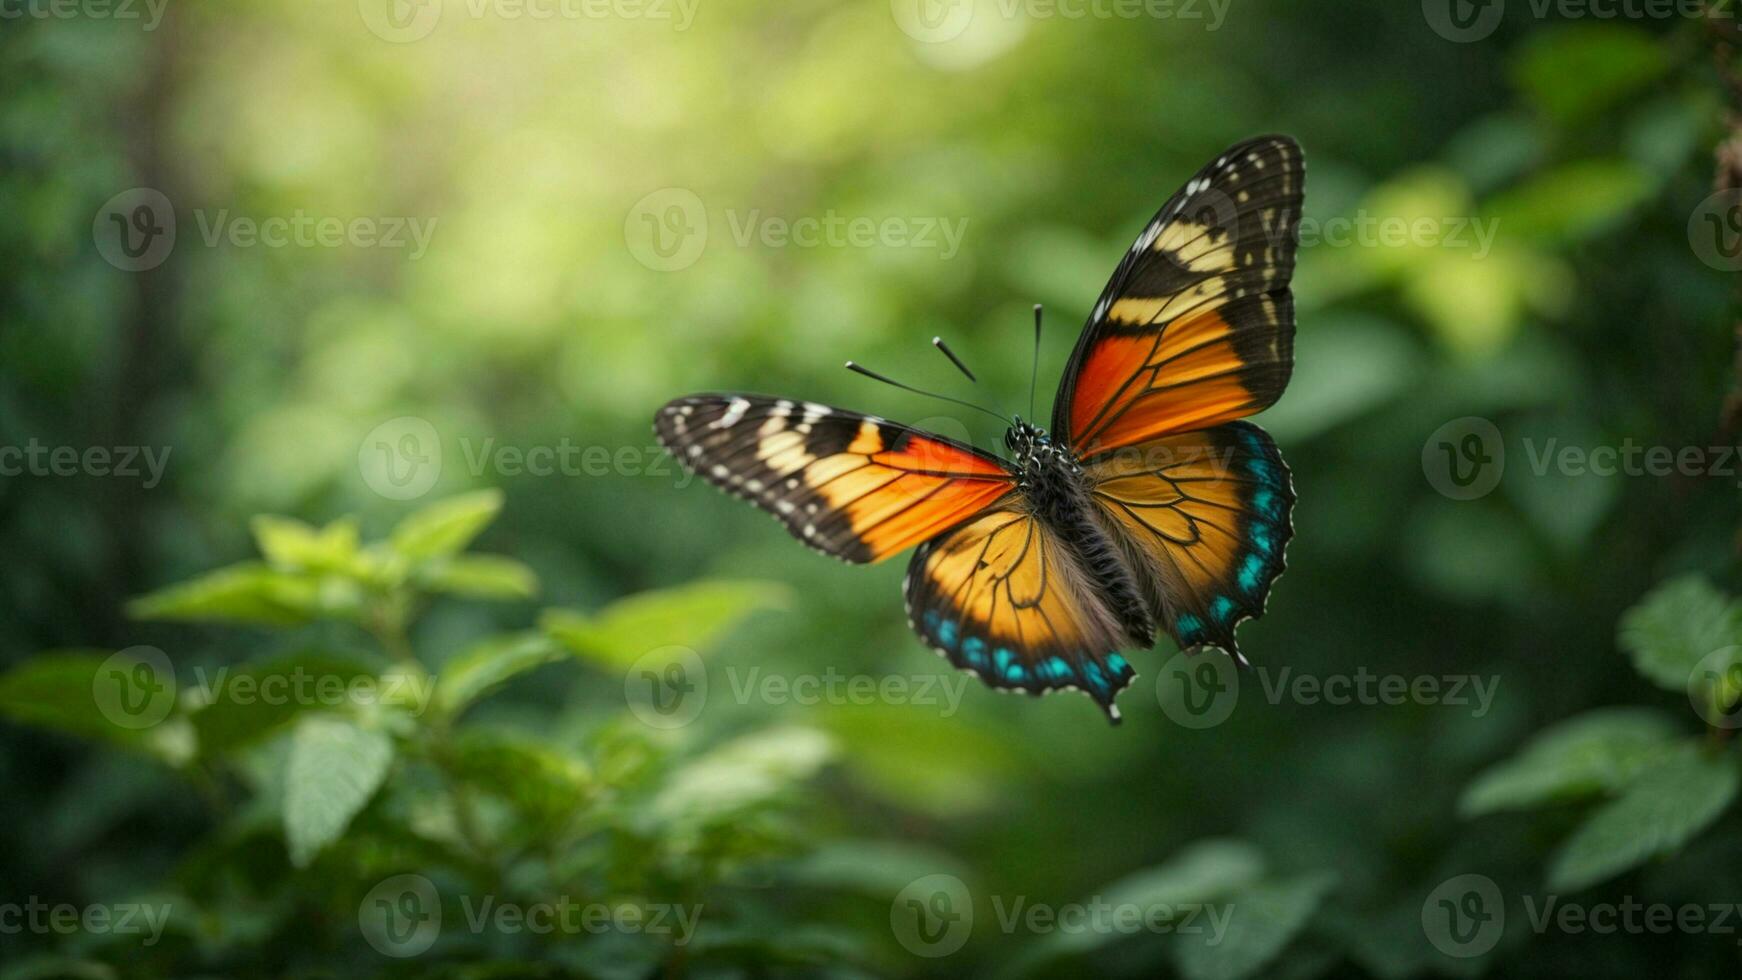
pixel 1653 787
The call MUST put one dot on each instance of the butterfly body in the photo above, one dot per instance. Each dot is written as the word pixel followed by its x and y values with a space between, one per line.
pixel 1150 506
pixel 1057 492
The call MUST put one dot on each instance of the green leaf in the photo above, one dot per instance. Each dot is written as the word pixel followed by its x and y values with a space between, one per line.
pixel 1261 921
pixel 290 544
pixel 1677 625
pixel 239 705
pixel 250 592
pixel 487 666
pixel 1570 202
pixel 742 773
pixel 335 767
pixel 1599 751
pixel 1662 810
pixel 1203 872
pixel 546 786
pixel 479 577
pixel 447 526
pixel 57 691
pixel 694 616
pixel 1575 71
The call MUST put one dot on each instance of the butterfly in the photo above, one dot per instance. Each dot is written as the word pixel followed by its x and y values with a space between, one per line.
pixel 1148 505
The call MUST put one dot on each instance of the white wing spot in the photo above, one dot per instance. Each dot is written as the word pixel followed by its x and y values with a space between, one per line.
pixel 734 411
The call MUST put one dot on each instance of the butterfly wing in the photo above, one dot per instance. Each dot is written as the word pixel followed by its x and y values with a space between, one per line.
pixel 1003 597
pixel 1196 327
pixel 1205 517
pixel 853 486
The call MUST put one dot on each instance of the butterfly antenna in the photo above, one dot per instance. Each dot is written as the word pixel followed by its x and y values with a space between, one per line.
pixel 1034 370
pixel 938 342
pixel 857 368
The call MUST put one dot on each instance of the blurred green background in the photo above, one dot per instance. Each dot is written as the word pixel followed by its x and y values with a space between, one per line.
pixel 605 195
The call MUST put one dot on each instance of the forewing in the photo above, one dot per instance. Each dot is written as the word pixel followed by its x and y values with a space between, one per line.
pixel 1196 327
pixel 854 486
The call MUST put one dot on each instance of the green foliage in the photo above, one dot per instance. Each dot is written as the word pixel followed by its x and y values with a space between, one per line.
pixel 534 337
pixel 1263 920
pixel 1679 625
pixel 1598 752
pixel 1654 815
pixel 1657 790
pixel 692 616
pixel 334 768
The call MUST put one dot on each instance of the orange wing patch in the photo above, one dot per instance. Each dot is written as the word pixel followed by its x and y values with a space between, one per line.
pixel 1209 511
pixel 1003 597
pixel 853 486
pixel 1196 327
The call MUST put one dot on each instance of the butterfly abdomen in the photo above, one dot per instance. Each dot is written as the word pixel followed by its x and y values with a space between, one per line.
pixel 1060 499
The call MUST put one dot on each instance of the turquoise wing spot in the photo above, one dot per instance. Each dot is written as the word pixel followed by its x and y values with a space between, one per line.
pixel 1262 539
pixel 1222 608
pixel 1095 677
pixel 1057 667
pixel 1252 573
pixel 974 649
pixel 1191 628
pixel 1116 662
pixel 947 634
pixel 1015 673
pixel 1003 658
